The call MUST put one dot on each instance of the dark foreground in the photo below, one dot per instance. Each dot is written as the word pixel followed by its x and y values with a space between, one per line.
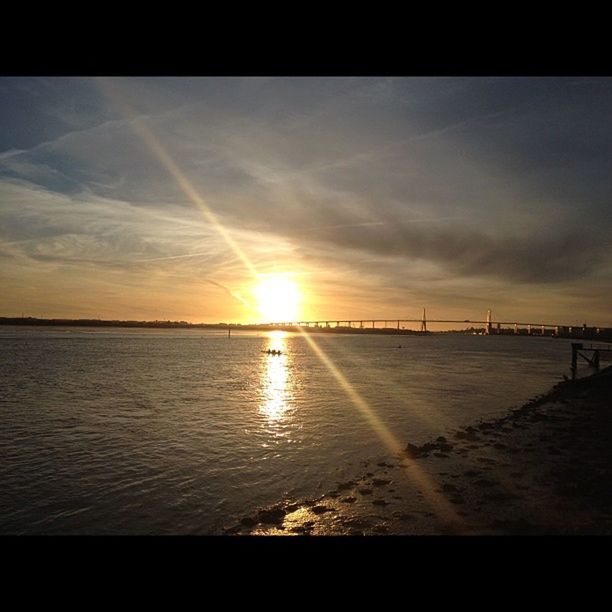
pixel 545 468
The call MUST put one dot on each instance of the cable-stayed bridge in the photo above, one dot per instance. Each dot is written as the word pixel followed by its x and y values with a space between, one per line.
pixel 489 325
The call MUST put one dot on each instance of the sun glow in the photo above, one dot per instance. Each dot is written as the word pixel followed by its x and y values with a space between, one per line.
pixel 278 299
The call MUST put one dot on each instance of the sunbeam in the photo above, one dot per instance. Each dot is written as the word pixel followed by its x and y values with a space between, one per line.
pixel 110 89
pixel 439 504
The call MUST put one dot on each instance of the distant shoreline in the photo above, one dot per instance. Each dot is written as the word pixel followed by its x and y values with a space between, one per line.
pixel 588 334
pixel 32 321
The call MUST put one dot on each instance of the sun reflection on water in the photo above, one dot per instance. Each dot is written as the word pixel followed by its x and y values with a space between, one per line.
pixel 275 379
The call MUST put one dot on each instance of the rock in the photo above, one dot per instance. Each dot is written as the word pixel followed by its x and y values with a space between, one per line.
pixel 356 523
pixel 247 521
pixel 428 447
pixel 520 525
pixel 500 497
pixel 380 482
pixel 412 451
pixel 415 452
pixel 365 491
pixel 273 516
pixel 404 516
pixel 484 482
pixel 321 509
pixel 348 500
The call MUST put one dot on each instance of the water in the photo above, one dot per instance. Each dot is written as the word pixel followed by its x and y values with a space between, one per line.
pixel 181 431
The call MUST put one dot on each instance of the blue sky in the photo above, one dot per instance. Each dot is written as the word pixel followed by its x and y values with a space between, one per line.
pixel 380 195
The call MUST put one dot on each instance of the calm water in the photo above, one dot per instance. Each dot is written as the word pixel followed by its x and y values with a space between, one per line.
pixel 180 431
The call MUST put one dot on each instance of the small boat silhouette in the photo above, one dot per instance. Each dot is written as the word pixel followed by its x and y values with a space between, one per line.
pixel 272 352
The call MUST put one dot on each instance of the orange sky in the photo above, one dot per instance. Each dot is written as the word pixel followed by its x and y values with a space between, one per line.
pixel 181 199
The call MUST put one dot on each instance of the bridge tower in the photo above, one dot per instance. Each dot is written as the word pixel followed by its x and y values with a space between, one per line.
pixel 424 322
pixel 488 327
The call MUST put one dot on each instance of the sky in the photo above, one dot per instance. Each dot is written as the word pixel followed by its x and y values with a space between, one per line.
pixel 172 198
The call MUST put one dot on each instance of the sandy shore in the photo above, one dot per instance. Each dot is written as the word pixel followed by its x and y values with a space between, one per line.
pixel 545 468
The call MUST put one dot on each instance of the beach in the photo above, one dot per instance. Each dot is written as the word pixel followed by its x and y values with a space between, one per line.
pixel 544 468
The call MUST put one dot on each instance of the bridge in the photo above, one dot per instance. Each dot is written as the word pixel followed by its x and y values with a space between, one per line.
pixel 489 326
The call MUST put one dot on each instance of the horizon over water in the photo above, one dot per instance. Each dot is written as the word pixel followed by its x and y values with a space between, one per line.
pixel 151 431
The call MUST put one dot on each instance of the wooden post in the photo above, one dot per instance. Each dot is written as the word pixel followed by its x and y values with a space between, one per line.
pixel 576 346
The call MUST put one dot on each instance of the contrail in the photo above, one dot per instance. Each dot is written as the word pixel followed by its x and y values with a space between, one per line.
pixel 195 254
pixel 379 223
pixel 341 225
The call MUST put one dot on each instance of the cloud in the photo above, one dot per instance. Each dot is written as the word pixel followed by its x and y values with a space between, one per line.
pixel 499 181
pixel 471 252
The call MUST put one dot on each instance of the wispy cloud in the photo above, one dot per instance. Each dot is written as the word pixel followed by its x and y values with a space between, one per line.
pixel 469 183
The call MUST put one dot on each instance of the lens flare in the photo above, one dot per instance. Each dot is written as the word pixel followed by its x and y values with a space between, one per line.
pixel 278 301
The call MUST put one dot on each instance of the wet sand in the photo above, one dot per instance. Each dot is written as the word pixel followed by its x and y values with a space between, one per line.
pixel 544 468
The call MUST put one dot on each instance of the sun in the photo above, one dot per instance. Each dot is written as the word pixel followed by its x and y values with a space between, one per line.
pixel 278 299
